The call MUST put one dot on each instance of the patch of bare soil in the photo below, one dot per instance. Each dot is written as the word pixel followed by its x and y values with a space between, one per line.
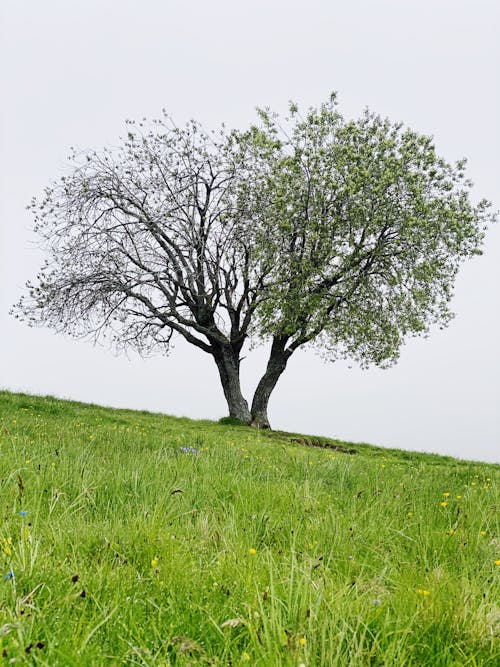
pixel 311 442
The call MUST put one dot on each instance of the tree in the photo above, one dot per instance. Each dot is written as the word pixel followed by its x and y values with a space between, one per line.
pixel 346 235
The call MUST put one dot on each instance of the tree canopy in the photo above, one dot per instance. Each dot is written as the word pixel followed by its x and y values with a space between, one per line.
pixel 310 230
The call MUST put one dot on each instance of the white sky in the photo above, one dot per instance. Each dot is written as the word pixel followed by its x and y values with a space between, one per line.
pixel 72 71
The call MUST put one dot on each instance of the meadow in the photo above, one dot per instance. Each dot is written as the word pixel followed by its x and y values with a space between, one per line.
pixel 131 538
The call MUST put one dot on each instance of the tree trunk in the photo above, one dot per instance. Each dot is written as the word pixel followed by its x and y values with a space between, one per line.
pixel 228 363
pixel 275 367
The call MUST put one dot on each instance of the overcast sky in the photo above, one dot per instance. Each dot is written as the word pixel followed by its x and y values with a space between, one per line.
pixel 72 71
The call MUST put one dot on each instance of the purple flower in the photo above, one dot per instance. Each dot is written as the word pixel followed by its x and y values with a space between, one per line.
pixel 9 575
pixel 23 513
pixel 189 450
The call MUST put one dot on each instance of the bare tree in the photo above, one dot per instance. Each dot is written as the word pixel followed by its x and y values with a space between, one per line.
pixel 347 235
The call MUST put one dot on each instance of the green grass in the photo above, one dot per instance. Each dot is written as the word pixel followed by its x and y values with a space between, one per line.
pixel 246 548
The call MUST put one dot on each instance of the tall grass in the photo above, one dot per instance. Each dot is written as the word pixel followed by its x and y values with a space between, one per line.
pixel 131 538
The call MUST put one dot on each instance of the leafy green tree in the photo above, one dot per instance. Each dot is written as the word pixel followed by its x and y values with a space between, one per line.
pixel 314 230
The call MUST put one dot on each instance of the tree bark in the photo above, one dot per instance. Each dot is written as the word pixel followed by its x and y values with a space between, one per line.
pixel 228 363
pixel 275 367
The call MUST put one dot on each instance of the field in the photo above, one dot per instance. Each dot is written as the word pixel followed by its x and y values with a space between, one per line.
pixel 131 538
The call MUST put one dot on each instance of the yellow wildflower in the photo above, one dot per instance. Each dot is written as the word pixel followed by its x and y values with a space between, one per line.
pixel 252 551
pixel 154 562
pixel 497 562
pixel 302 641
pixel 446 494
pixel 443 503
pixel 422 591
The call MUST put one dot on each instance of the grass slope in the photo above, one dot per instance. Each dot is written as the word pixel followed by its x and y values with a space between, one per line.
pixel 131 538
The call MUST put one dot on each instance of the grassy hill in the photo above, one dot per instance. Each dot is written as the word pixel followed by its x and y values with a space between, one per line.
pixel 131 538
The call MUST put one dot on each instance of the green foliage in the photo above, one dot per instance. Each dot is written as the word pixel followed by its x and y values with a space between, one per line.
pixel 365 227
pixel 142 539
